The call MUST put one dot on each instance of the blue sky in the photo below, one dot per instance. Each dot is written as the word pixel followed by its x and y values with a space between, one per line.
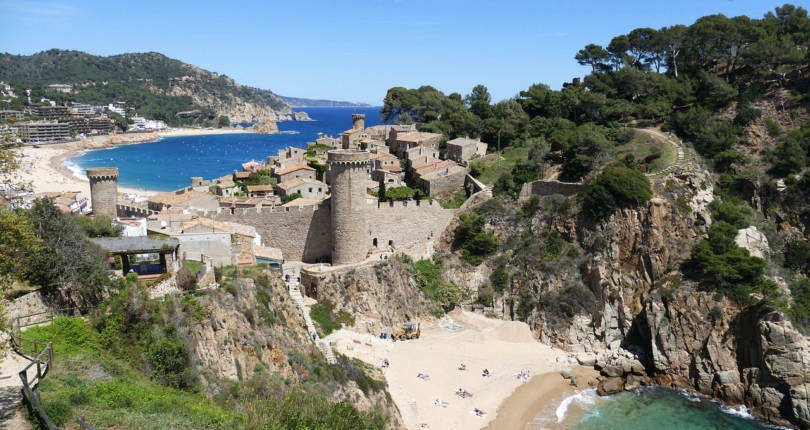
pixel 355 50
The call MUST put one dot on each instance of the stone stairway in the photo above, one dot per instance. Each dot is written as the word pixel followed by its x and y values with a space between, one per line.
pixel 323 345
pixel 672 167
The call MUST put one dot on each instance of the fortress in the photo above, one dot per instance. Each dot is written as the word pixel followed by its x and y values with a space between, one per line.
pixel 346 227
pixel 103 190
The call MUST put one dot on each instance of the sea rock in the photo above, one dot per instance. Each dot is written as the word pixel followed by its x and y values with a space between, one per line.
pixel 266 127
pixel 586 360
pixel 612 371
pixel 610 386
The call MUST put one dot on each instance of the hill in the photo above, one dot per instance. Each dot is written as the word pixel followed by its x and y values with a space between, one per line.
pixel 154 85
pixel 299 102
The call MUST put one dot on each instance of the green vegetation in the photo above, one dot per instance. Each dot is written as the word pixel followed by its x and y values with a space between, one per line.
pixel 290 197
pixel 454 200
pixel 101 226
pixel 475 242
pixel 615 187
pixel 490 170
pixel 404 193
pixel 727 268
pixel 194 266
pixel 322 315
pixel 800 310
pixel 428 279
pixel 129 77
pixel 650 155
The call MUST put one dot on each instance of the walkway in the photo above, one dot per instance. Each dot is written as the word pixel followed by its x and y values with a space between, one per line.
pixel 12 413
pixel 674 142
pixel 303 304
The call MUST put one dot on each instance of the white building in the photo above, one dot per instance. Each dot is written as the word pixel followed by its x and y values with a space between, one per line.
pixel 120 111
pixel 82 109
pixel 132 227
pixel 65 88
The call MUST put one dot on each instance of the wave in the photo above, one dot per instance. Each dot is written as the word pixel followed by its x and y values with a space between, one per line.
pixel 692 397
pixel 77 170
pixel 741 412
pixel 584 397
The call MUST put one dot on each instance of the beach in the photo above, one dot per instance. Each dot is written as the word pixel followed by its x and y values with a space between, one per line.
pixel 44 170
pixel 505 348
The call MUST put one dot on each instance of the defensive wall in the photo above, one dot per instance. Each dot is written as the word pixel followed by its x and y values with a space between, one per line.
pixel 305 233
pixel 547 188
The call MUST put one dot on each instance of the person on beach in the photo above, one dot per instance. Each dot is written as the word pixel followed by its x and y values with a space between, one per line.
pixel 462 367
pixel 486 373
pixel 385 362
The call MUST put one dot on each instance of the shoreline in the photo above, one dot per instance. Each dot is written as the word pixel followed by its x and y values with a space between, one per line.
pixel 44 170
pixel 529 400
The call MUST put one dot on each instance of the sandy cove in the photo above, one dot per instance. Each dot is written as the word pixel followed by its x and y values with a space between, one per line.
pixel 42 167
pixel 503 347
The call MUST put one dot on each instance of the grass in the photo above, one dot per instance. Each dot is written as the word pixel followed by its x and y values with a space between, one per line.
pixel 321 314
pixel 86 380
pixel 494 169
pixel 194 266
pixel 642 145
pixel 453 201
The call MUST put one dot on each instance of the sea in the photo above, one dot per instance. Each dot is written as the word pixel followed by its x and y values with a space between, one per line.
pixel 169 163
pixel 644 409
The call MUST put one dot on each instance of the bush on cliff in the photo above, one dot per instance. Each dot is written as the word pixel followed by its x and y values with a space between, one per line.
pixel 615 187
pixel 475 242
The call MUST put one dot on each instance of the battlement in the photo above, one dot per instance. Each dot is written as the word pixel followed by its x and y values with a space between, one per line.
pixel 547 188
pixel 102 173
pixel 347 156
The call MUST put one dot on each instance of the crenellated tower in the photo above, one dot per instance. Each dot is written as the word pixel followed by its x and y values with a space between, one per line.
pixel 103 190
pixel 349 226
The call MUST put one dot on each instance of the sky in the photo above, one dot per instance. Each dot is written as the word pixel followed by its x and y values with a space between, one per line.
pixel 356 50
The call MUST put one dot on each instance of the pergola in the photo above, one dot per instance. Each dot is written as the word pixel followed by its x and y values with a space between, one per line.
pixel 125 247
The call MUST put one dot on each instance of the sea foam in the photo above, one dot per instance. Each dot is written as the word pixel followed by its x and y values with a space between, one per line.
pixel 582 398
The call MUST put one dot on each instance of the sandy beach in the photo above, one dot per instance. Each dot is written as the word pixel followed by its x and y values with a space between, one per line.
pixel 44 170
pixel 505 348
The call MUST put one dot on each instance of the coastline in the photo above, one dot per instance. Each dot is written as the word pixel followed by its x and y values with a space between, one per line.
pixel 43 168
pixel 537 396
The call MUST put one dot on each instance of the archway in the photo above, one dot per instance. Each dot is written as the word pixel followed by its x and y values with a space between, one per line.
pixel 374 242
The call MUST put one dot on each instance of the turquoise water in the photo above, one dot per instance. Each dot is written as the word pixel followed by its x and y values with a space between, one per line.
pixel 653 408
pixel 169 163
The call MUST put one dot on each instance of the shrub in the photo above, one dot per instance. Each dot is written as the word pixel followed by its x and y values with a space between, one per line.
pixel 321 313
pixel 625 136
pixel 475 243
pixel 58 411
pixel 186 281
pixel 290 197
pixel 800 311
pixel 562 305
pixel 613 188
pixel 772 127
pixel 735 213
pixel 530 208
pixel 747 115
pixel 797 255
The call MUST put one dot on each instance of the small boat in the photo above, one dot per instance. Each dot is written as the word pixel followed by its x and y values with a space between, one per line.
pixel 289 132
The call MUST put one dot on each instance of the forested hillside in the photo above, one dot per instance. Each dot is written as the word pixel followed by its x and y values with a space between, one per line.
pixel 685 241
pixel 152 84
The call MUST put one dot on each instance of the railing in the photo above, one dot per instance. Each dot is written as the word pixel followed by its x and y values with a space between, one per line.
pixel 43 362
pixel 17 324
pixel 30 395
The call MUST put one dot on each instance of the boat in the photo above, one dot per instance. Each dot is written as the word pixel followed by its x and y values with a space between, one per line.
pixel 289 132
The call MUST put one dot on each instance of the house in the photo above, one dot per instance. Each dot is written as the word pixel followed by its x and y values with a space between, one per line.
pixel 420 152
pixel 243 238
pixel 186 200
pixel 406 141
pixel 273 257
pixel 384 161
pixel 241 176
pixel 462 149
pixel 395 130
pixel 260 190
pixel 308 188
pixel 253 166
pixel 444 180
pixel 295 171
pixel 225 187
pixel 232 203
pixel 350 139
pixel 132 226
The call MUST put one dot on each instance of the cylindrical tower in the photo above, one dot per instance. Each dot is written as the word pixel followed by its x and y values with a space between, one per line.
pixel 359 121
pixel 349 228
pixel 103 190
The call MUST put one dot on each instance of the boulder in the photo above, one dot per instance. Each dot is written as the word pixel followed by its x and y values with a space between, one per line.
pixel 612 371
pixel 610 386
pixel 567 374
pixel 586 360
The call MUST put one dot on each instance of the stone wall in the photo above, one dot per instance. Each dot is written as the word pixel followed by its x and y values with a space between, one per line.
pixel 302 233
pixel 127 211
pixel 411 227
pixel 195 244
pixel 547 188
pixel 445 184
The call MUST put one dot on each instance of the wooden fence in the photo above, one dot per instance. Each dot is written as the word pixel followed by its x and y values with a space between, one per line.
pixel 43 353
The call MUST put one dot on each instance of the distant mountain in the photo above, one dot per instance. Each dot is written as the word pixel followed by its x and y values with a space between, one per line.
pixel 299 102
pixel 154 85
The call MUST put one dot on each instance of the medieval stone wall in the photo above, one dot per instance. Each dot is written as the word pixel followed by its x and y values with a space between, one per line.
pixel 547 188
pixel 302 234
pixel 410 227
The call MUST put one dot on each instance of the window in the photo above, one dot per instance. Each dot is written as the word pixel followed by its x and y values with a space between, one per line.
pixel 310 190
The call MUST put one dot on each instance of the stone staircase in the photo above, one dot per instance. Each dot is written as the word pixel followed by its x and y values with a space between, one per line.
pixel 323 345
pixel 672 167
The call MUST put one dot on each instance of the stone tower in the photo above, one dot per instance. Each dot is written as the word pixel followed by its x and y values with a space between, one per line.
pixel 103 190
pixel 349 229
pixel 358 121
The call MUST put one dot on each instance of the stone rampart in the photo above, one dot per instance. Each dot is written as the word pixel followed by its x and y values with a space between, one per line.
pixel 127 211
pixel 301 233
pixel 409 227
pixel 547 188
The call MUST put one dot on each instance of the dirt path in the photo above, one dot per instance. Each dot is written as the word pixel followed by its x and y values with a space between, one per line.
pixel 12 413
pixel 674 141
